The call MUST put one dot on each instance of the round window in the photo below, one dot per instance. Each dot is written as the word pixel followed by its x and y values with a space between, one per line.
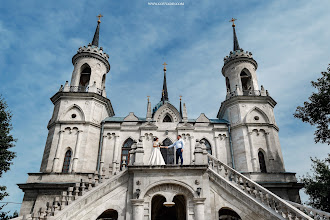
pixel 73 116
pixel 256 118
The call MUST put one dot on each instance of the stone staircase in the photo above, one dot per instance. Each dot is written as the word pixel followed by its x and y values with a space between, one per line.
pixel 224 174
pixel 311 212
pixel 83 194
pixel 71 200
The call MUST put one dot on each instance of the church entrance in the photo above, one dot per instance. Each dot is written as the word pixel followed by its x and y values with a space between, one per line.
pixel 168 154
pixel 161 212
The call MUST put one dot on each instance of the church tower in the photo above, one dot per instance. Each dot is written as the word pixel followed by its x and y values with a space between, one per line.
pixel 249 109
pixel 72 144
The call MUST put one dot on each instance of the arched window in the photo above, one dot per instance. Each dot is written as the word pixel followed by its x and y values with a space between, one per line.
pixel 109 214
pixel 226 213
pixel 125 151
pixel 167 118
pixel 262 162
pixel 85 75
pixel 228 84
pixel 245 80
pixel 66 162
pixel 208 146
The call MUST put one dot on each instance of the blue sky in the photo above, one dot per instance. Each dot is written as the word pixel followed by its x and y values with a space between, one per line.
pixel 288 39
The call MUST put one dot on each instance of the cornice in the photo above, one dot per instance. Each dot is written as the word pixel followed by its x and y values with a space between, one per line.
pixel 239 99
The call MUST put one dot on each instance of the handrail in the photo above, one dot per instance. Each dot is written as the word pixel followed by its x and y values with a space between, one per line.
pixel 90 196
pixel 314 213
pixel 251 188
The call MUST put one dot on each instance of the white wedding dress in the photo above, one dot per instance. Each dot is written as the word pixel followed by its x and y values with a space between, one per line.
pixel 156 157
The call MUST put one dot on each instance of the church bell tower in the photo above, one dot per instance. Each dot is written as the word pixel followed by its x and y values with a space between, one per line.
pixel 79 107
pixel 249 109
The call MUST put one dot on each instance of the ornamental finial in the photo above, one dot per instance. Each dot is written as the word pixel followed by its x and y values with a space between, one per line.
pixel 99 16
pixel 164 65
pixel 233 20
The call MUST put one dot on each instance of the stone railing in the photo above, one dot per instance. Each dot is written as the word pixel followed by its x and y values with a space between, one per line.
pixel 313 213
pixel 238 92
pixel 91 196
pixel 74 197
pixel 254 190
pixel 92 88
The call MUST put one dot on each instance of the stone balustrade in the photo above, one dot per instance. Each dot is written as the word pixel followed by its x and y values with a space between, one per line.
pixel 92 88
pixel 311 212
pixel 254 190
pixel 73 196
pixel 238 92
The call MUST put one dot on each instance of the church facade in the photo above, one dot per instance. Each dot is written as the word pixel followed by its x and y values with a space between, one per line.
pixel 95 165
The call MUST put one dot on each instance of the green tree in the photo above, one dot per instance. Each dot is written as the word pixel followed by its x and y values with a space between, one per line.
pixel 318 185
pixel 6 142
pixel 316 111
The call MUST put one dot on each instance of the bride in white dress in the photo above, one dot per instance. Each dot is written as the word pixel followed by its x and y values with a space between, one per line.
pixel 156 157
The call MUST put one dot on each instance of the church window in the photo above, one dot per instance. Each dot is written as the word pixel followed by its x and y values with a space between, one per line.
pixel 85 75
pixel 245 80
pixel 208 146
pixel 66 162
pixel 256 118
pixel 226 213
pixel 125 152
pixel 228 84
pixel 262 162
pixel 73 116
pixel 167 118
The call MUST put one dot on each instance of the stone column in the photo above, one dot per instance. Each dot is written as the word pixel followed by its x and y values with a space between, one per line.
pixel 252 153
pixel 199 208
pixel 269 150
pixel 191 149
pixel 103 153
pixel 57 153
pixel 137 208
pixel 115 157
pixel 76 152
pixel 217 150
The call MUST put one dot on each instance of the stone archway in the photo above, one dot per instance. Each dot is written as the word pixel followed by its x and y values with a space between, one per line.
pixel 109 214
pixel 176 212
pixel 169 191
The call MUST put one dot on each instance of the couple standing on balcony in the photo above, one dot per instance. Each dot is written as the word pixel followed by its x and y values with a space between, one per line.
pixel 156 157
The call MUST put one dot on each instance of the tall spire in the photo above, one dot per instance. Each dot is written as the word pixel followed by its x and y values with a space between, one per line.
pixel 180 106
pixel 236 45
pixel 95 41
pixel 164 91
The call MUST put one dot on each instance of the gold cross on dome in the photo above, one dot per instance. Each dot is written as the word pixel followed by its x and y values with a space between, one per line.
pixel 233 20
pixel 99 16
pixel 164 65
pixel 148 98
pixel 180 97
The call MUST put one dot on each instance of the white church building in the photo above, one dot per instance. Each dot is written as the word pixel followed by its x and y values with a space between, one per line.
pixel 95 164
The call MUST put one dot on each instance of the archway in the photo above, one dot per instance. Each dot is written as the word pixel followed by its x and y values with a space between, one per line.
pixel 161 212
pixel 168 154
pixel 228 214
pixel 109 214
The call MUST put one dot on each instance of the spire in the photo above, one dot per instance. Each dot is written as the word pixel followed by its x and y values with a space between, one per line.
pixel 164 91
pixel 95 41
pixel 180 106
pixel 149 114
pixel 236 45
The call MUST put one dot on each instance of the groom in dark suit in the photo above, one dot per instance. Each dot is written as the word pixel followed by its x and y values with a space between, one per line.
pixel 179 144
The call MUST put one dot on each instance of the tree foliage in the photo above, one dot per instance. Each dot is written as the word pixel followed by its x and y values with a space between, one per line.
pixel 6 142
pixel 318 185
pixel 316 111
